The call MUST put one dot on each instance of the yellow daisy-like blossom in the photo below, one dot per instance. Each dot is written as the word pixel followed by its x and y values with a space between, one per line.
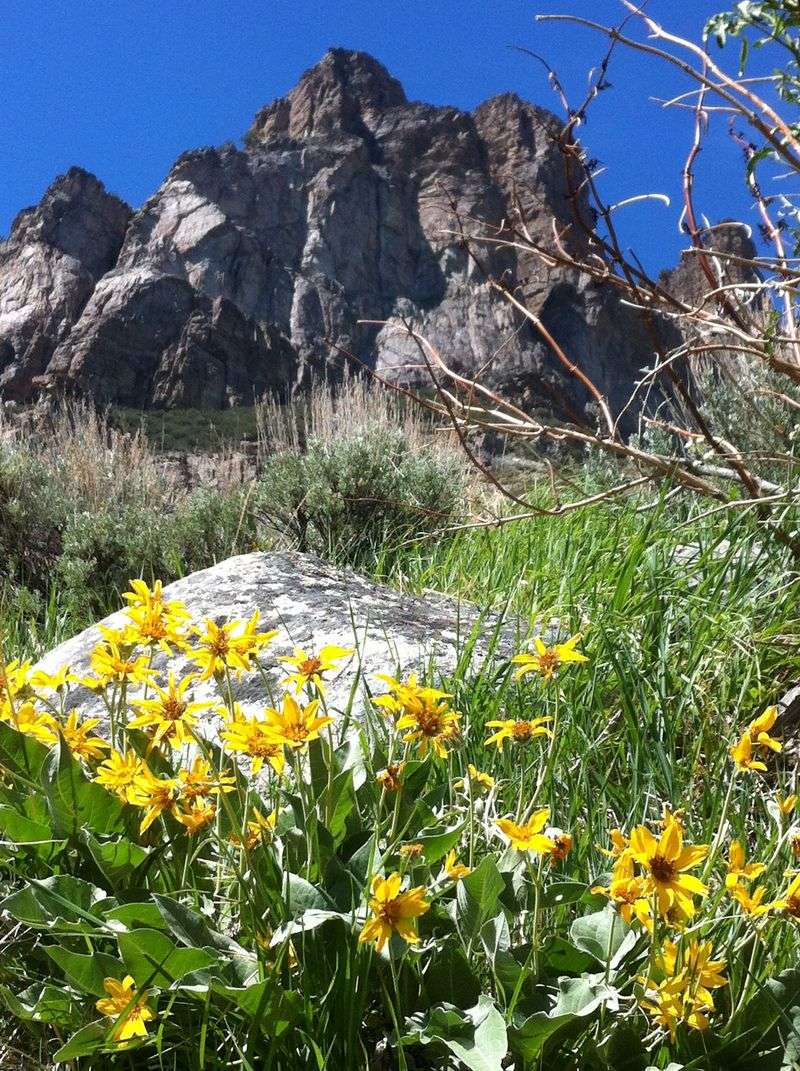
pixel 619 844
pixel 742 755
pixel 686 993
pixel 430 727
pixel 78 740
pixel 528 837
pixel 197 815
pixel 759 730
pixel 42 681
pixel 131 1010
pixel 786 805
pixel 390 778
pixel 404 696
pixel 256 738
pixel 454 870
pixel 118 773
pixel 35 723
pixel 738 868
pixel 154 795
pixel 393 911
pixel 627 892
pixel 309 668
pixel 296 725
pixel 169 714
pixel 111 666
pixel 548 660
pixel 790 901
pixel 751 903
pixel 200 780
pixel 154 621
pixel 517 731
pixel 666 863
pixel 260 830
pixel 13 678
pixel 231 646
pixel 476 783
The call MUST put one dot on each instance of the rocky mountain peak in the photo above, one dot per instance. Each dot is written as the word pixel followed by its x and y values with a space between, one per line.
pixel 342 94
pixel 75 215
pixel 252 270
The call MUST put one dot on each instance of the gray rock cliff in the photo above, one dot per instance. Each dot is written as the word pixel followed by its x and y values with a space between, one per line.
pixel 247 265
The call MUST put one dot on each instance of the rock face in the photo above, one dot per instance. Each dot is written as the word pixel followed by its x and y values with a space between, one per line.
pixel 239 273
pixel 312 604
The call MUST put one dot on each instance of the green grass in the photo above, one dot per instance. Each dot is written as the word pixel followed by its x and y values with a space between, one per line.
pixel 197 430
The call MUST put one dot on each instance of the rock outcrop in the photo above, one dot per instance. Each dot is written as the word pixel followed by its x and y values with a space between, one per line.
pixel 332 227
pixel 311 603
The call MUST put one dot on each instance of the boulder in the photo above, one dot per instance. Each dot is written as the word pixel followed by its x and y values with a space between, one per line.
pixel 312 603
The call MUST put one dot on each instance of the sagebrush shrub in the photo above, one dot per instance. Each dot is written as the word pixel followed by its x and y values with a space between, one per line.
pixel 361 494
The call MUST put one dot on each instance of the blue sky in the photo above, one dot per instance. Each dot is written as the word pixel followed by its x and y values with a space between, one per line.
pixel 122 87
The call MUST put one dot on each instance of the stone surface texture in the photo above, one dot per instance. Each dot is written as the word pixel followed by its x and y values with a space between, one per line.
pixel 311 603
pixel 244 268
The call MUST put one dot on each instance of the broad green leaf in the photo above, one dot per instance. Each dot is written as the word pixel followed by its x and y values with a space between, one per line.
pixel 558 893
pixel 763 1022
pixel 488 1046
pixel 25 832
pixel 135 917
pixel 274 1009
pixel 601 934
pixel 302 896
pixel 61 899
pixel 117 859
pixel 437 842
pixel 152 958
pixel 75 802
pixel 42 1004
pixel 581 996
pixel 87 972
pixel 191 929
pixel 477 898
pixel 562 957
pixel 529 1038
pixel 308 921
pixel 91 1039
pixel 21 753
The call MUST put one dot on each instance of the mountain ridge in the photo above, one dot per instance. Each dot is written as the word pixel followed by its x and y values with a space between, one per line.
pixel 248 268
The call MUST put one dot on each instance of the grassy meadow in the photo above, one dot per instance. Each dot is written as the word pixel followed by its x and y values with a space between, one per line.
pixel 602 885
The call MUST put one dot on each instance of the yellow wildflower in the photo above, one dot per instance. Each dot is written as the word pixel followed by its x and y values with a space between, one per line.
pixel 453 869
pixel 627 891
pixel 197 815
pixel 231 646
pixel 665 862
pixel 737 868
pixel 111 666
pixel 759 730
pixel 790 901
pixel 309 668
pixel 751 903
pixel 80 743
pixel 742 755
pixel 130 1009
pixel 411 851
pixel 256 738
pixel 154 795
pixel 405 696
pixel 154 622
pixel 118 773
pixel 562 845
pixel 476 783
pixel 389 779
pixel 528 837
pixel 296 725
pixel 200 780
pixel 619 844
pixel 35 723
pixel 548 660
pixel 786 805
pixel 42 681
pixel 518 731
pixel 259 829
pixel 169 714
pixel 393 911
